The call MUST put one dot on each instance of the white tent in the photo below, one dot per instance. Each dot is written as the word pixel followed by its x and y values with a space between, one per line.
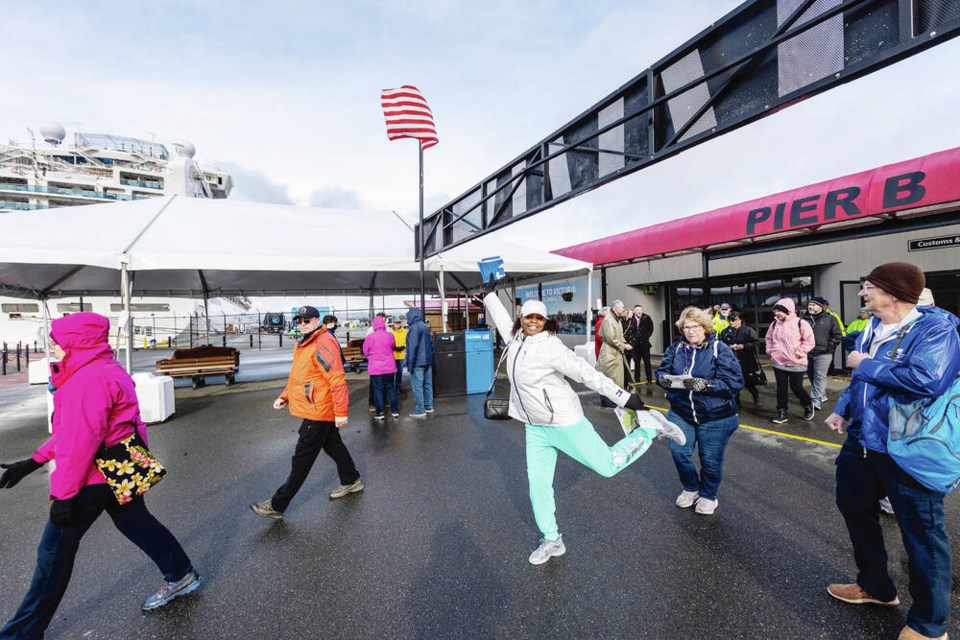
pixel 190 247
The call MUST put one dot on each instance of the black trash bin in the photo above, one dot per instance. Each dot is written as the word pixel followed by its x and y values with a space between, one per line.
pixel 449 365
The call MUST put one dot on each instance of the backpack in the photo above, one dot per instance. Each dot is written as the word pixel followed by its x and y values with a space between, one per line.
pixel 924 435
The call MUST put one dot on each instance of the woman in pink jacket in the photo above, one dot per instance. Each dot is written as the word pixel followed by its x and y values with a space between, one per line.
pixel 378 347
pixel 789 339
pixel 94 405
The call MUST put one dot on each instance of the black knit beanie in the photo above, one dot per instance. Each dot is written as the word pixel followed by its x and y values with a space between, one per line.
pixel 902 280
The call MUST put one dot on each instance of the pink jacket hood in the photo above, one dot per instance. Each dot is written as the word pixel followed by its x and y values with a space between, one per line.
pixel 83 337
pixel 378 347
pixel 94 404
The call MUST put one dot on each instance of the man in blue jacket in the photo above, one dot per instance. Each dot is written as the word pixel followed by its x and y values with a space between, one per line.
pixel 420 363
pixel 905 354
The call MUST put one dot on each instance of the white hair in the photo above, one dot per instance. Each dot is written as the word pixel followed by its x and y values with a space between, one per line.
pixel 616 303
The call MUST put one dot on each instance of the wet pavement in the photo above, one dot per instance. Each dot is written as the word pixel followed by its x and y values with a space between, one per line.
pixel 436 545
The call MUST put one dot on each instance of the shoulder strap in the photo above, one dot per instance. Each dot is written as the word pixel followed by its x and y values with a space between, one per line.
pixel 503 356
pixel 904 330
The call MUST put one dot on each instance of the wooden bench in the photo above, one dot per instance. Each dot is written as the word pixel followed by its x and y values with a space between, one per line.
pixel 201 362
pixel 353 358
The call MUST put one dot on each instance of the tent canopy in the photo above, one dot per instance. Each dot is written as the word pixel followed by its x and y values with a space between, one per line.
pixel 176 246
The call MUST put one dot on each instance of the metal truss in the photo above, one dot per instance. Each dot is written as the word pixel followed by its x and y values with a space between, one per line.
pixel 760 58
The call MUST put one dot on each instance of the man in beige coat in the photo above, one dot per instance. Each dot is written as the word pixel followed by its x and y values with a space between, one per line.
pixel 611 362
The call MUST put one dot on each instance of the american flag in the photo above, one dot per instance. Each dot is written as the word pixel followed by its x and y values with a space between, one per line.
pixel 408 115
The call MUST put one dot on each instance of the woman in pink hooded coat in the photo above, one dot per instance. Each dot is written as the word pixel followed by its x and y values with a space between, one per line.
pixel 789 339
pixel 94 405
pixel 378 347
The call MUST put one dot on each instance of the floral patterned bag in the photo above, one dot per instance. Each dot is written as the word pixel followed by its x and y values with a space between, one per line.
pixel 129 468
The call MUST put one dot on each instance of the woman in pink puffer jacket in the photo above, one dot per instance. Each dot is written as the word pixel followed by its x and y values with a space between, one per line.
pixel 789 339
pixel 94 405
pixel 378 347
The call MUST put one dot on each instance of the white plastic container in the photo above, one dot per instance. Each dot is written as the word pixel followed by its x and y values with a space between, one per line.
pixel 38 372
pixel 155 395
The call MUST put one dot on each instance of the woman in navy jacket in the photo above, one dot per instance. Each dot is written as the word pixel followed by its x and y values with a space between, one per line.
pixel 705 407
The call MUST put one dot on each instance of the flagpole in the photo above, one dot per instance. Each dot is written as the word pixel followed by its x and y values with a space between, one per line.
pixel 423 306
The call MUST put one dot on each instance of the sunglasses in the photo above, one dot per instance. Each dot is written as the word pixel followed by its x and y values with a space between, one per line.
pixel 305 320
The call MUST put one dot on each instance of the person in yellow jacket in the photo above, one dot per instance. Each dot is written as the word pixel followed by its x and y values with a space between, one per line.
pixel 829 311
pixel 721 319
pixel 316 391
pixel 400 350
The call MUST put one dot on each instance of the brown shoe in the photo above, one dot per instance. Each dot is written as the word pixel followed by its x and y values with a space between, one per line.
pixel 853 594
pixel 909 634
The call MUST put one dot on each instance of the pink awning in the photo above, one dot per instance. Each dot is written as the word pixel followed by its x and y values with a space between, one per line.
pixel 920 185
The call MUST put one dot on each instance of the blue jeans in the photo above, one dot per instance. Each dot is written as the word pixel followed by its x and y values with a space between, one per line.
pixel 862 479
pixel 384 384
pixel 711 440
pixel 398 380
pixel 58 549
pixel 817 368
pixel 421 381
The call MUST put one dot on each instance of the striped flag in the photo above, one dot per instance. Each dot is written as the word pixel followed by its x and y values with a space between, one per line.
pixel 408 115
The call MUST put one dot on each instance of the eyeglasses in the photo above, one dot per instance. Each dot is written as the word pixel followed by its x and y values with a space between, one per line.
pixel 692 327
pixel 305 320
pixel 867 287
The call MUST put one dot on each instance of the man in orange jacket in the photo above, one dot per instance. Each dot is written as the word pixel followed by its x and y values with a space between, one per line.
pixel 317 392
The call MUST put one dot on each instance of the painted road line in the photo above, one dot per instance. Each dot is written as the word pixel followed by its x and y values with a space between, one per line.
pixel 772 432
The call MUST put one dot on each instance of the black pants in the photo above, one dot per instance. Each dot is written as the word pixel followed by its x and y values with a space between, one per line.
pixel 59 545
pixel 315 435
pixel 795 380
pixel 642 352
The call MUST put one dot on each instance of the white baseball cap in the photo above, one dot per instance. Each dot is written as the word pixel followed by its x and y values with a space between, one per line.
pixel 531 307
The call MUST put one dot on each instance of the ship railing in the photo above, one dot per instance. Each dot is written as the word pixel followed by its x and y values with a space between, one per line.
pixel 86 193
pixel 21 206
pixel 138 183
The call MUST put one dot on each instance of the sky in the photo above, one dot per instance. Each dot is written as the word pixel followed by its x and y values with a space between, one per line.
pixel 285 96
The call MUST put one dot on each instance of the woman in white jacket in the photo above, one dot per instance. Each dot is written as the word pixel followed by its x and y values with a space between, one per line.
pixel 538 364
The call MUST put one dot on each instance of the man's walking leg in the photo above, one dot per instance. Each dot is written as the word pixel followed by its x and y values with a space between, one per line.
pixel 309 443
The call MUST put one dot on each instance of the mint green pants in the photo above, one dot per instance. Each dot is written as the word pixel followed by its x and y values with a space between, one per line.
pixel 583 444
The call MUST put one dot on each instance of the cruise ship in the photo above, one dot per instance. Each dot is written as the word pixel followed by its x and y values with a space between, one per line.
pixel 46 173
pixel 99 167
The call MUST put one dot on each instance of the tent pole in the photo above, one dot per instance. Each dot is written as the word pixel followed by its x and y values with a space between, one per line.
pixel 128 327
pixel 423 306
pixel 443 299
pixel 46 352
pixel 589 318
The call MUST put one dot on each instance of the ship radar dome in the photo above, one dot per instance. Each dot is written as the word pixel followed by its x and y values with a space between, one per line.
pixel 52 132
pixel 184 148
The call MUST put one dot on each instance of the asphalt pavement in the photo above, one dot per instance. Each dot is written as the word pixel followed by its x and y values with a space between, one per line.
pixel 436 545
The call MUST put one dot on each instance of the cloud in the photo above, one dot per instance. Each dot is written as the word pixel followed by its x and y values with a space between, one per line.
pixel 251 185
pixel 336 198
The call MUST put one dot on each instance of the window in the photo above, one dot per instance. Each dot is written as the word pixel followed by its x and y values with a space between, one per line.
pixel 73 307
pixel 141 306
pixel 20 307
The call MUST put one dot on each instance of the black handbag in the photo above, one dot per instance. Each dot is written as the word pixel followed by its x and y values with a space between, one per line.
pixel 758 377
pixel 496 408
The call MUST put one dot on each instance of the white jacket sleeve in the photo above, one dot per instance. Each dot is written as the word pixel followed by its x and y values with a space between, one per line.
pixel 579 370
pixel 501 318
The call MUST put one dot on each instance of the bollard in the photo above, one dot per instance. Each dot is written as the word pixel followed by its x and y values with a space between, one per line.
pixel 259 341
pixel 3 360
pixel 27 355
pixel 18 357
pixel 224 339
pixel 251 341
pixel 280 335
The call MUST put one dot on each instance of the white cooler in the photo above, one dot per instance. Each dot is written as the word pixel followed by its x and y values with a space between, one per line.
pixel 587 352
pixel 155 395
pixel 39 372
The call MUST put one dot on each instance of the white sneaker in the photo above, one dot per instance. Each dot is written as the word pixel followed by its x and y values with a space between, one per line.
pixel 885 506
pixel 547 549
pixel 706 507
pixel 666 428
pixel 686 499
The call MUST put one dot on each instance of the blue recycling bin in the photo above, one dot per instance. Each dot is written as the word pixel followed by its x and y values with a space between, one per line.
pixel 478 344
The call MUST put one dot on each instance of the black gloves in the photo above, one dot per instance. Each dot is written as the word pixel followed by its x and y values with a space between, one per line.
pixel 16 471
pixel 489 287
pixel 697 384
pixel 662 382
pixel 635 403
pixel 61 512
